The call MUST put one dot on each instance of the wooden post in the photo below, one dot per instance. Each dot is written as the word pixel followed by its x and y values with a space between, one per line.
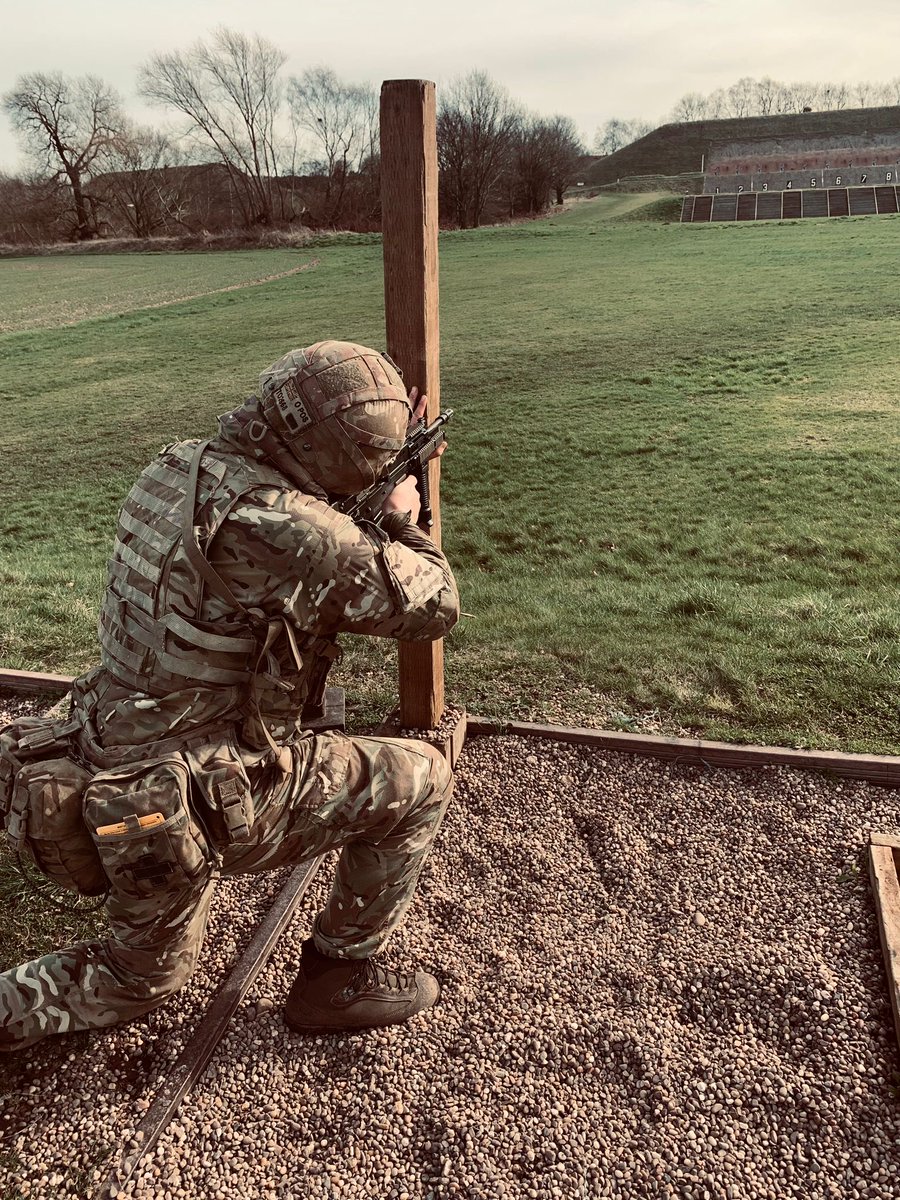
pixel 410 234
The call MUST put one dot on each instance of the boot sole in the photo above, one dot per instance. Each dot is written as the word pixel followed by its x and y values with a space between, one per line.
pixel 298 1025
pixel 298 1028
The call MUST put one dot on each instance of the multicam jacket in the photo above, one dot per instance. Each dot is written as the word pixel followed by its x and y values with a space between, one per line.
pixel 181 655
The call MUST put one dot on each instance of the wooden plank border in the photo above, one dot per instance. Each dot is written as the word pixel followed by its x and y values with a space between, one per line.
pixel 35 683
pixel 884 873
pixel 882 769
pixel 874 768
pixel 449 739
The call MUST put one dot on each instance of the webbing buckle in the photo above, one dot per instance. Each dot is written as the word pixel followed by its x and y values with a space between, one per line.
pixel 45 736
pixel 39 739
pixel 233 797
pixel 17 819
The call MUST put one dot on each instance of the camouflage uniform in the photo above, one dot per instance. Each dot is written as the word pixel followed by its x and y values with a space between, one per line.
pixel 197 717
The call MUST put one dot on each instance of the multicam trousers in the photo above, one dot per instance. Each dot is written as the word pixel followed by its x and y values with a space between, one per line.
pixel 379 801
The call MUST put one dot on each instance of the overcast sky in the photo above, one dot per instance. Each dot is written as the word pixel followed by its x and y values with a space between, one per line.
pixel 588 59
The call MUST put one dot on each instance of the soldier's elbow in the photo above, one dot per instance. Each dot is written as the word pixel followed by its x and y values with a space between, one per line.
pixel 439 624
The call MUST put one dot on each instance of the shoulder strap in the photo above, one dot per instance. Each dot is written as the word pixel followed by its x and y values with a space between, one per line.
pixel 195 555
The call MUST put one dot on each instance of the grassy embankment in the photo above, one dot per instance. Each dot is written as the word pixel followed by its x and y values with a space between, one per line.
pixel 671 496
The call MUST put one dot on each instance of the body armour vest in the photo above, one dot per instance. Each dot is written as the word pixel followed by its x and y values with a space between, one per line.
pixel 152 637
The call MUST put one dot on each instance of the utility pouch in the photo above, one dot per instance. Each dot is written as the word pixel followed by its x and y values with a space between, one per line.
pixel 223 786
pixel 24 740
pixel 51 793
pixel 166 852
pixel 41 795
pixel 11 759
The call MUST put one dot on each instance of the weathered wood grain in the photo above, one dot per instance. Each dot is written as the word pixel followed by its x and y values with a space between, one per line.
pixel 410 247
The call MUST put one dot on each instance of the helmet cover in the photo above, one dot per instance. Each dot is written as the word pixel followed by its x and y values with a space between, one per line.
pixel 340 409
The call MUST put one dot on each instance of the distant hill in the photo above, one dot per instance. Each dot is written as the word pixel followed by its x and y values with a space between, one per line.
pixel 678 149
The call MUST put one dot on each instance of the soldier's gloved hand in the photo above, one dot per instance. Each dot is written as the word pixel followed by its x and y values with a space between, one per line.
pixel 404 498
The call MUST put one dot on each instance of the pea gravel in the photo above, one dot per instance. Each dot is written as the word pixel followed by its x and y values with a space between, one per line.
pixel 660 981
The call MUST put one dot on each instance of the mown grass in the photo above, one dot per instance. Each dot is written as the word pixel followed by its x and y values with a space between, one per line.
pixel 43 292
pixel 671 495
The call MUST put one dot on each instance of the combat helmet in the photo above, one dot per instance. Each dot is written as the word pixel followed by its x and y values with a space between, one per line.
pixel 340 409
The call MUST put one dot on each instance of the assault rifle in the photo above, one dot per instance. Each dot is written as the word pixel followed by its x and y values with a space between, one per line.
pixel 421 444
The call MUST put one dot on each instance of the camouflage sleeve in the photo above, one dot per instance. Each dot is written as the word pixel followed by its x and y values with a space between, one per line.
pixel 336 576
pixel 151 952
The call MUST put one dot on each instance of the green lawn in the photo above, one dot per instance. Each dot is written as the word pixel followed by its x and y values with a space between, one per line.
pixel 671 495
pixel 40 293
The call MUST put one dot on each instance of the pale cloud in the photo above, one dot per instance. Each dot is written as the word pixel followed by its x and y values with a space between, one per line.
pixel 585 58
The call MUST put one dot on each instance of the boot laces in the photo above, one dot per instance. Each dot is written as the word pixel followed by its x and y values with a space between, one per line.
pixel 370 974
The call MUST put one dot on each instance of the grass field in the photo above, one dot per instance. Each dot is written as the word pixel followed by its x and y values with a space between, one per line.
pixel 41 293
pixel 671 496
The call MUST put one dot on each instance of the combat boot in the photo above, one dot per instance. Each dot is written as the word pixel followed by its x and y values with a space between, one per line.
pixel 331 994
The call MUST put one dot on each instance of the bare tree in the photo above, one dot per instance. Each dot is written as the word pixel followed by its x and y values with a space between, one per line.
pixel 862 94
pixel 531 177
pixel 740 98
pixel 33 211
pixel 691 107
pixel 882 93
pixel 612 136
pixel 65 124
pixel 835 96
pixel 716 105
pixel 565 149
pixel 342 119
pixel 369 102
pixel 764 93
pixel 476 124
pixel 231 94
pixel 805 96
pixel 617 133
pixel 546 156
pixel 142 188
pixel 368 203
pixel 762 97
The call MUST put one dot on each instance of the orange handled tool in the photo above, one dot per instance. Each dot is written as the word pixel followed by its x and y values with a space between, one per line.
pixel 129 826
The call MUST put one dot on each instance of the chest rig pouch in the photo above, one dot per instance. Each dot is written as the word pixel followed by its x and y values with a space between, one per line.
pixel 41 804
pixel 152 636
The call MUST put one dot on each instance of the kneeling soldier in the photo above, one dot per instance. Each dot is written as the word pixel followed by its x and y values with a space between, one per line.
pixel 231 575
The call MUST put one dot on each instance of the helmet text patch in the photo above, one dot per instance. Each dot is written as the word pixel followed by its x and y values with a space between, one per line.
pixel 292 406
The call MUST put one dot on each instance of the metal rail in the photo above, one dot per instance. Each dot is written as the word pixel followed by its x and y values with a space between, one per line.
pixel 202 1043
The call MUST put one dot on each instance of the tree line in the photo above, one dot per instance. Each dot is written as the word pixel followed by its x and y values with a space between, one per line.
pixel 252 149
pixel 751 98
